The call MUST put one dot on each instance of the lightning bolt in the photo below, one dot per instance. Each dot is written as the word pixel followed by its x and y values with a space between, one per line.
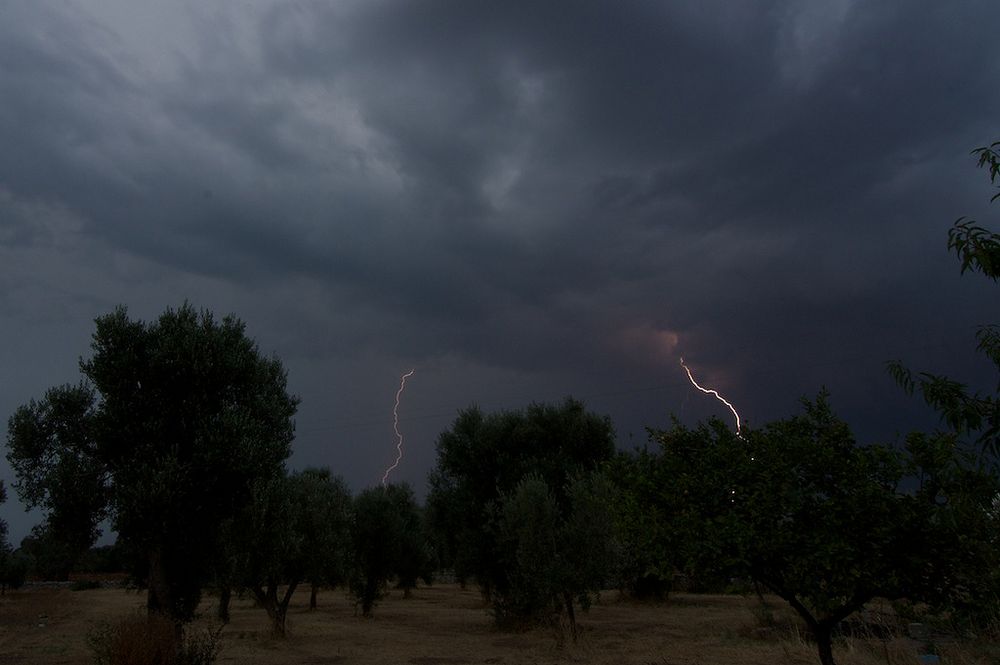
pixel 714 393
pixel 395 426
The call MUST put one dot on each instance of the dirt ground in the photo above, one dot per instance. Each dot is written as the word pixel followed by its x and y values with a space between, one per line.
pixel 439 625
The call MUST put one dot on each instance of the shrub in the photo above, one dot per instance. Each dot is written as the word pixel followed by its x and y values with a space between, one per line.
pixel 13 570
pixel 85 585
pixel 153 640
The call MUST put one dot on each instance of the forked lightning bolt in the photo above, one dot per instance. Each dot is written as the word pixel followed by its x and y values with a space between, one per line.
pixel 714 393
pixel 395 426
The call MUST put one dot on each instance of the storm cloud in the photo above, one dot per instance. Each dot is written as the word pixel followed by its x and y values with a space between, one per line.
pixel 522 201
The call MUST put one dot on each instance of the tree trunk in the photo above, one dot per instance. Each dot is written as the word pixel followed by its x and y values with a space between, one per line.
pixel 282 607
pixel 158 596
pixel 225 594
pixel 268 599
pixel 822 630
pixel 276 610
pixel 368 599
pixel 824 644
pixel 312 595
pixel 571 613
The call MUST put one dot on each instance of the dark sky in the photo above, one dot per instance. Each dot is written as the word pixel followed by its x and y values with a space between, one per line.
pixel 519 200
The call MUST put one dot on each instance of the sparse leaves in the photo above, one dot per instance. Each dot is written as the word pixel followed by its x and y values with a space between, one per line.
pixel 972 415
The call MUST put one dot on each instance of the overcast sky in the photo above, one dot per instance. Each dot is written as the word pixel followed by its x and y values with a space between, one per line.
pixel 519 200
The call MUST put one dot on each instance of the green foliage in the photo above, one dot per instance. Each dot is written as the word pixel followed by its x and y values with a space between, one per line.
pixel 388 542
pixel 191 415
pixel 322 507
pixel 178 419
pixel 957 498
pixel 553 557
pixel 528 544
pixel 976 247
pixel 972 415
pixel 644 524
pixel 52 558
pixel 485 457
pixel 51 447
pixel 826 524
pixel 589 542
pixel 294 528
pixel 13 565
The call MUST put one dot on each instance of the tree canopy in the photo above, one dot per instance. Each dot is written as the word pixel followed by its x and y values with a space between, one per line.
pixel 175 421
pixel 823 522
pixel 388 542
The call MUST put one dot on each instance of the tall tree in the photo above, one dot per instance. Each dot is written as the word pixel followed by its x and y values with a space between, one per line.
pixel 188 414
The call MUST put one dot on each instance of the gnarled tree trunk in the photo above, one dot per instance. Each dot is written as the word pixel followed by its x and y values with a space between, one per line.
pixel 276 609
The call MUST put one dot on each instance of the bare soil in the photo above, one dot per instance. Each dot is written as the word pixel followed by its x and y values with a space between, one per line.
pixel 441 625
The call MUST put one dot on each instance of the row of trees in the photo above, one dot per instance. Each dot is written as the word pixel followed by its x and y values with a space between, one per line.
pixel 536 507
pixel 307 528
pixel 180 432
pixel 179 436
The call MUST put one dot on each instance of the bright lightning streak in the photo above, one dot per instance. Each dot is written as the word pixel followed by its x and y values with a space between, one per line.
pixel 395 426
pixel 714 393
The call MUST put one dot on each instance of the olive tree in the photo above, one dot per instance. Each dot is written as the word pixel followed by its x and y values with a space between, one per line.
pixel 52 447
pixel 388 543
pixel 555 558
pixel 483 458
pixel 176 420
pixel 323 520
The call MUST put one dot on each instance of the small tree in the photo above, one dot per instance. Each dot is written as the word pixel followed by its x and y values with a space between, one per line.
pixel 277 558
pixel 385 531
pixel 324 524
pixel 589 542
pixel 554 558
pixel 482 458
pixel 52 447
pixel 304 518
pixel 528 539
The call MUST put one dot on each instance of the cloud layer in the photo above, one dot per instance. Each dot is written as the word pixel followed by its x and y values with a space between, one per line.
pixel 521 200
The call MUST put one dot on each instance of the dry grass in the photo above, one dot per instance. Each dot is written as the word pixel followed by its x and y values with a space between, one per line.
pixel 444 625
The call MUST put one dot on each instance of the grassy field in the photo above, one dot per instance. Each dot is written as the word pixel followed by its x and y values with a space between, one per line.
pixel 444 624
